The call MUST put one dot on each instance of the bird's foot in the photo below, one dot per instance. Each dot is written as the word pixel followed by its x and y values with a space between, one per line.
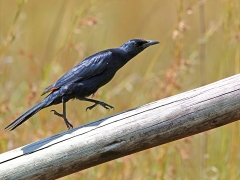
pixel 68 124
pixel 103 104
pixel 56 113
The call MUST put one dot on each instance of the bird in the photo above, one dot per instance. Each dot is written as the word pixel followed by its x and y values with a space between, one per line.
pixel 85 79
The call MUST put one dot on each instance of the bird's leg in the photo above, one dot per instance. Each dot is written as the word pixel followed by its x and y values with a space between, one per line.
pixel 103 104
pixel 63 115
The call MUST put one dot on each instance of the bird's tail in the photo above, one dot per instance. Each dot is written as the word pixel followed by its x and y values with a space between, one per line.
pixel 27 115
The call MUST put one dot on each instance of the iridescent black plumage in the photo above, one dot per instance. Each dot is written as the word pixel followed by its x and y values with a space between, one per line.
pixel 85 79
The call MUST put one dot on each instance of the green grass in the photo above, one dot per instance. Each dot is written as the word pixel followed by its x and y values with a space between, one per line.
pixel 39 41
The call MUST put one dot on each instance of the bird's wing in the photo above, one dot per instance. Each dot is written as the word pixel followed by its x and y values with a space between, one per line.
pixel 89 67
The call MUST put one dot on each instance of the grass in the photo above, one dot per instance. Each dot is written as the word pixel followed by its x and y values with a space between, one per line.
pixel 200 44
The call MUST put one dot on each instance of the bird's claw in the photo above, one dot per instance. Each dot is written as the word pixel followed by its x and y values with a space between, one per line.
pixel 105 105
pixel 56 113
pixel 68 124
pixel 91 107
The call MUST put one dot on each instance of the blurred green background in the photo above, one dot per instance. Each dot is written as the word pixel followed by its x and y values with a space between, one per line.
pixel 200 44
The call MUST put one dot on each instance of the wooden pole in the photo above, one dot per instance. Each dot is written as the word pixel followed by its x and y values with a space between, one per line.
pixel 125 133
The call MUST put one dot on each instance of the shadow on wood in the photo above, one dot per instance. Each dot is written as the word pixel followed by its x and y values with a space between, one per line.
pixel 125 133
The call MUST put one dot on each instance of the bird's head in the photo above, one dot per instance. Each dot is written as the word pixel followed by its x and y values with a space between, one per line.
pixel 135 46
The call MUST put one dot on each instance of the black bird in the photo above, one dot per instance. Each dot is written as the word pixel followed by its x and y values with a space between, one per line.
pixel 85 79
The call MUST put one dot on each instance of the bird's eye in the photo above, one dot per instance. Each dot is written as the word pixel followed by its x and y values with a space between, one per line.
pixel 136 44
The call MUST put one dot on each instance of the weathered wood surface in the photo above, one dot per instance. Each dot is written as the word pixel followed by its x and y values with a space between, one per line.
pixel 141 128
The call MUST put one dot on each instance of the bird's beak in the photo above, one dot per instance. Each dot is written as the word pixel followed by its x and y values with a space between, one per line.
pixel 150 43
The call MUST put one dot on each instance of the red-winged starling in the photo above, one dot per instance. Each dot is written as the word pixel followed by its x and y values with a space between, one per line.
pixel 85 79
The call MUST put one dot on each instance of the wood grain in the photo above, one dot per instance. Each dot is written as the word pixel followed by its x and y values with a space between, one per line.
pixel 125 133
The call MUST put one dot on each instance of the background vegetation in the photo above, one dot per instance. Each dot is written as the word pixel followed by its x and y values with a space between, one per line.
pixel 200 44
